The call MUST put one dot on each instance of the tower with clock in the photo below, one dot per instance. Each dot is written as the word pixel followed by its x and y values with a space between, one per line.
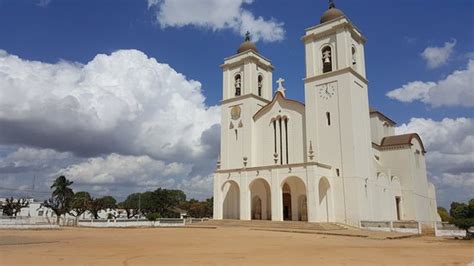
pixel 331 159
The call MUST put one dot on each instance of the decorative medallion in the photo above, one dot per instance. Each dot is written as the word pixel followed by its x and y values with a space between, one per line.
pixel 235 112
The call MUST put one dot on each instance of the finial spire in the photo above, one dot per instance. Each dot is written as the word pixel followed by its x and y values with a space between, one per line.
pixel 331 4
pixel 247 36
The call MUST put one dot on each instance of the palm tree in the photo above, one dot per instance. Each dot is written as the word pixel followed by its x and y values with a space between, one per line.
pixel 61 188
pixel 62 196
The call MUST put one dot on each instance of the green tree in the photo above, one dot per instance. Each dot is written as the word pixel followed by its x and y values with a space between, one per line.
pixel 80 203
pixel 109 202
pixel 98 204
pixel 463 216
pixel 95 206
pixel 131 205
pixel 444 214
pixel 12 207
pixel 61 199
pixel 153 216
pixel 166 201
pixel 198 209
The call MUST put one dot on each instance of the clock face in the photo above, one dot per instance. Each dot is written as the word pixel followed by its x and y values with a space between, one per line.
pixel 327 91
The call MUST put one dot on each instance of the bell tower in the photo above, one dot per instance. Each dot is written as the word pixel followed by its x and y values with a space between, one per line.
pixel 247 87
pixel 337 109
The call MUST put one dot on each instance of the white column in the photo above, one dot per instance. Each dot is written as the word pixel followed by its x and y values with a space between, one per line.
pixel 313 196
pixel 277 201
pixel 244 198
pixel 217 198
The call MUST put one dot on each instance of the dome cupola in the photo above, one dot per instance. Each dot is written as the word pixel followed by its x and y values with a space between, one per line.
pixel 247 45
pixel 331 13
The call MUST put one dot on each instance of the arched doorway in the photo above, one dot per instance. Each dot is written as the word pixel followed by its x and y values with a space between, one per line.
pixel 324 200
pixel 286 202
pixel 382 198
pixel 231 204
pixel 260 195
pixel 396 197
pixel 256 208
pixel 303 205
pixel 295 203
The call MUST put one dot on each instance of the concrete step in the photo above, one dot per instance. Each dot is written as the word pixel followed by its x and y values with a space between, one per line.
pixel 273 224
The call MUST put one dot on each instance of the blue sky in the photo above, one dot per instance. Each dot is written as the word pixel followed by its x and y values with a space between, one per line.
pixel 397 33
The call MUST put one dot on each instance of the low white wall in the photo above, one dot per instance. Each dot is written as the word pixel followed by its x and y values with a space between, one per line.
pixel 443 229
pixel 453 233
pixel 407 227
pixel 29 226
pixel 130 223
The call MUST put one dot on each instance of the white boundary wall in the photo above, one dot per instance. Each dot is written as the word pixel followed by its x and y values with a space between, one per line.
pixel 448 230
pixel 131 223
pixel 409 227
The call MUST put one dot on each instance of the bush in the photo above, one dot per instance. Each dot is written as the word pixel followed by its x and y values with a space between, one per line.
pixel 153 216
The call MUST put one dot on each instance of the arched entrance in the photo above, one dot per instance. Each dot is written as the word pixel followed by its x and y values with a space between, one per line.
pixel 396 197
pixel 231 204
pixel 324 200
pixel 295 203
pixel 286 202
pixel 260 195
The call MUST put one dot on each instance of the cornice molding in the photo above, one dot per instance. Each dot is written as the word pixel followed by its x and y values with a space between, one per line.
pixel 243 97
pixel 335 73
pixel 270 167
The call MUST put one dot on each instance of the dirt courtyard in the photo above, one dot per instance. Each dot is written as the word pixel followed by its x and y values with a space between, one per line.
pixel 220 246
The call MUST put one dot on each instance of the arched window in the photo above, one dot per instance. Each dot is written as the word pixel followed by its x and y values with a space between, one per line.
pixel 328 118
pixel 260 85
pixel 280 127
pixel 238 85
pixel 354 57
pixel 327 59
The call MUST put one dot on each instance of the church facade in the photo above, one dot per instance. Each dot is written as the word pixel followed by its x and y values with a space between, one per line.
pixel 331 159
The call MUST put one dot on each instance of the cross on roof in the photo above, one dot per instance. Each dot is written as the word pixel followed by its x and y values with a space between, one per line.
pixel 280 86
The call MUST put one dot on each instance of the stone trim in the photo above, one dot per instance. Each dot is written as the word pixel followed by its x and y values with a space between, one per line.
pixel 269 167
pixel 253 56
pixel 245 96
pixel 335 73
pixel 269 105
pixel 344 24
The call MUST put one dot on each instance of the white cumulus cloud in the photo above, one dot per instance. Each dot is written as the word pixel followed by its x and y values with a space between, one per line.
pixel 217 15
pixel 438 56
pixel 124 102
pixel 118 123
pixel 118 169
pixel 457 89
pixel 450 153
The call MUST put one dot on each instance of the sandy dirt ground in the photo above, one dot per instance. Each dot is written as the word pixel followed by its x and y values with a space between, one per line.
pixel 221 246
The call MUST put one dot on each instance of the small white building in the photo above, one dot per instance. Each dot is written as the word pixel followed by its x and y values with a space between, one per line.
pixel 35 209
pixel 330 159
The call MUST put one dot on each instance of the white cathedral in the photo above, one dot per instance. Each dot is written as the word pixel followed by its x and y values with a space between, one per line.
pixel 330 159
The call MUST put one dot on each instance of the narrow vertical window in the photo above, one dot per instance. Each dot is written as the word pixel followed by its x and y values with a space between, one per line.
pixel 275 135
pixel 260 85
pixel 238 84
pixel 327 59
pixel 281 142
pixel 417 158
pixel 286 139
pixel 328 118
pixel 354 59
